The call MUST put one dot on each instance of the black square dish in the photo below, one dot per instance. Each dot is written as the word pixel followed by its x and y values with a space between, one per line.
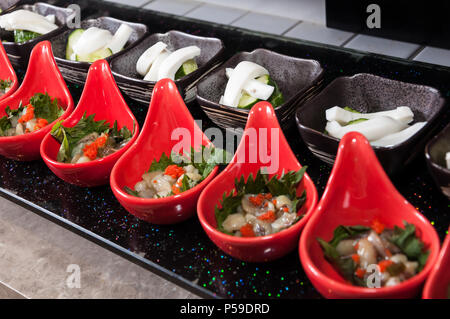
pixel 75 71
pixel 370 93
pixel 8 5
pixel 298 80
pixel 19 53
pixel 435 151
pixel 124 66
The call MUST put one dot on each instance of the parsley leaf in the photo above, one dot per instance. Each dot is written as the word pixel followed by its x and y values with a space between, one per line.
pixel 45 108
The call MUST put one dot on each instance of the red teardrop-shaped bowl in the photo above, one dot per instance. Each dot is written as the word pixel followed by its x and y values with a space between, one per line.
pixel 101 97
pixel 42 76
pixel 166 115
pixel 358 192
pixel 437 285
pixel 262 134
pixel 7 73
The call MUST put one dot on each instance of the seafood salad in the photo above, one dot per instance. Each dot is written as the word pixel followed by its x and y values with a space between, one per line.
pixel 261 205
pixel 89 140
pixel 95 43
pixel 158 62
pixel 27 25
pixel 173 175
pixel 397 253
pixel 5 85
pixel 249 83
pixel 38 113
pixel 385 128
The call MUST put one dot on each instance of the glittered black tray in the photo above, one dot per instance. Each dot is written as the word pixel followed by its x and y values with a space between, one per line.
pixel 182 253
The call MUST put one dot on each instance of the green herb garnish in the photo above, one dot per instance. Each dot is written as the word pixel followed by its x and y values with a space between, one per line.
pixel 21 36
pixel 4 84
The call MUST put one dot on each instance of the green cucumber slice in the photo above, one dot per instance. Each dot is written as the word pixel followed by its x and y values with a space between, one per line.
pixel 247 101
pixel 94 56
pixel 73 38
pixel 187 67
pixel 264 79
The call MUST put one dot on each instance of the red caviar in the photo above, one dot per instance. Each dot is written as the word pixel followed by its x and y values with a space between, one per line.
pixel 360 272
pixel 29 114
pixel 174 171
pixel 355 258
pixel 91 150
pixel 247 231
pixel 268 217
pixel 40 123
pixel 256 200
pixel 384 264
pixel 377 226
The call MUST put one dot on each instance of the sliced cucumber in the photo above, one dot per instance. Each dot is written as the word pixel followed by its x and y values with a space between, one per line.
pixel 247 101
pixel 264 79
pixel 94 56
pixel 73 38
pixel 187 67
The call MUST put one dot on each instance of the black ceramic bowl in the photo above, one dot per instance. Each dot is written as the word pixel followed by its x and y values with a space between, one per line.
pixel 6 5
pixel 370 93
pixel 435 152
pixel 298 80
pixel 76 72
pixel 124 66
pixel 19 53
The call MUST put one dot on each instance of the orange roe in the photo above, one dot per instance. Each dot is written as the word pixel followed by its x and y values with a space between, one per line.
pixel 388 252
pixel 285 209
pixel 175 189
pixel 247 231
pixel 256 200
pixel 360 272
pixel 384 264
pixel 29 114
pixel 174 171
pixel 91 150
pixel 268 217
pixel 377 226
pixel 355 258
pixel 40 123
pixel 268 196
pixel 274 202
pixel 356 245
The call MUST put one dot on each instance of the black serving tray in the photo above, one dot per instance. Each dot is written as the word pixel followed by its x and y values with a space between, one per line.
pixel 182 253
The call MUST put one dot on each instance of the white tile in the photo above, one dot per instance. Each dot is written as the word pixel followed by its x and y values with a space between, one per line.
pixel 305 10
pixel 133 3
pixel 382 46
pixel 265 23
pixel 178 7
pixel 434 55
pixel 318 33
pixel 214 13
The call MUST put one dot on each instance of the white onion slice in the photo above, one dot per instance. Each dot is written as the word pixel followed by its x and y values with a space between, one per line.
pixel 372 129
pixel 171 65
pixel 120 38
pixel 342 116
pixel 26 20
pixel 399 137
pixel 91 40
pixel 242 73
pixel 255 88
pixel 152 74
pixel 148 57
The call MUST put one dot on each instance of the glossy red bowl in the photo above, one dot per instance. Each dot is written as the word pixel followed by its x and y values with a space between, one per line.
pixel 167 113
pixel 358 192
pixel 269 137
pixel 42 76
pixel 101 97
pixel 7 72
pixel 437 285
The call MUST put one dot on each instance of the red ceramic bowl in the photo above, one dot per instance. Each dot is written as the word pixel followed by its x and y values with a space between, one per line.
pixel 438 283
pixel 167 113
pixel 42 76
pixel 263 125
pixel 101 97
pixel 7 72
pixel 358 192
